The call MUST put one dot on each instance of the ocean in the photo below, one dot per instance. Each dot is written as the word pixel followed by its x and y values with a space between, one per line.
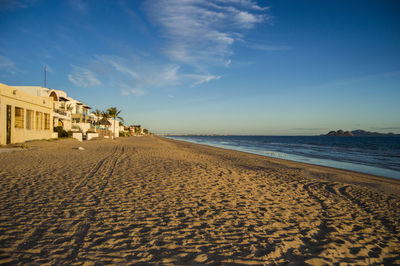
pixel 372 155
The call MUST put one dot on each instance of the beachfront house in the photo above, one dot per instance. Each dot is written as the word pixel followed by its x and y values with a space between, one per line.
pixel 82 120
pixel 61 105
pixel 69 113
pixel 24 116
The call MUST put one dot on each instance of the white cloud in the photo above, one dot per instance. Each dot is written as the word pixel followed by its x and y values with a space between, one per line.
pixel 135 75
pixel 123 69
pixel 202 32
pixel 200 79
pixel 247 20
pixel 168 74
pixel 83 77
pixel 246 3
pixel 138 70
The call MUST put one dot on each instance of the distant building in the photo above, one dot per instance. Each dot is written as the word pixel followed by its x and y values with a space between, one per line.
pixel 136 129
pixel 24 116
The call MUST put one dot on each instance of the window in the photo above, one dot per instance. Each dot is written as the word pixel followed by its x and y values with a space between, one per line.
pixel 39 120
pixel 29 119
pixel 47 121
pixel 19 117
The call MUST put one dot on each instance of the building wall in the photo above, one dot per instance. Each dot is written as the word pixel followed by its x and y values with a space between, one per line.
pixel 18 98
pixel 83 126
pixel 114 130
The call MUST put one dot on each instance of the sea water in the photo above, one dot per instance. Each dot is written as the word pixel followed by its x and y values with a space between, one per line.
pixel 372 155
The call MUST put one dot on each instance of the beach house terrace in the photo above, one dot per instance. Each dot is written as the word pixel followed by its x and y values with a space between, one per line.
pixel 24 116
pixel 82 114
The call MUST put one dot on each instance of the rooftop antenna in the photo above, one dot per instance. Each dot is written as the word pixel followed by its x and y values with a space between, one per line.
pixel 45 76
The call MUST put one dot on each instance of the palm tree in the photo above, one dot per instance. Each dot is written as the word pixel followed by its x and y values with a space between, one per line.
pixel 114 113
pixel 104 120
pixel 97 113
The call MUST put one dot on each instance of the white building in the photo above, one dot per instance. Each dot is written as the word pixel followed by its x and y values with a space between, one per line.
pixel 61 104
pixel 71 114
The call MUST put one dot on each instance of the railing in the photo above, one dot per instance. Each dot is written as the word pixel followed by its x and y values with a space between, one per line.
pixel 61 112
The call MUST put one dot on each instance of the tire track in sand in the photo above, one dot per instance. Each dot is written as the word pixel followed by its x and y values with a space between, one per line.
pixel 81 229
pixel 103 167
pixel 344 202
pixel 389 225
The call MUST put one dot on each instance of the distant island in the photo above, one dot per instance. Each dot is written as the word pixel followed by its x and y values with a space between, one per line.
pixel 360 133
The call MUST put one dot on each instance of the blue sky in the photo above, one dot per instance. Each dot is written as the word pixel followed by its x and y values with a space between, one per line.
pixel 222 66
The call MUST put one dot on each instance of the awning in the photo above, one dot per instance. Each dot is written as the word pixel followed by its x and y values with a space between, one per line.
pixel 63 99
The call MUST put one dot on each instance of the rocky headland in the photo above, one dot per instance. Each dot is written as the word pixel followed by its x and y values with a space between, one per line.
pixel 360 133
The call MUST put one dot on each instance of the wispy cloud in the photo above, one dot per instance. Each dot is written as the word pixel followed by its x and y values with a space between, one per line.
pixel 138 70
pixel 143 74
pixel 119 66
pixel 202 32
pixel 83 77
pixel 128 90
pixel 200 79
pixel 134 75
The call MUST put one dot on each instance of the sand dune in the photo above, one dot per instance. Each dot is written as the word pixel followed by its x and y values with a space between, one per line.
pixel 151 200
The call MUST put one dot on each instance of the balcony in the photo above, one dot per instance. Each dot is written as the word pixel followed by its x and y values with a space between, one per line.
pixel 62 113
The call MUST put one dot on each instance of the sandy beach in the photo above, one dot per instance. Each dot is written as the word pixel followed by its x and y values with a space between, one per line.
pixel 151 200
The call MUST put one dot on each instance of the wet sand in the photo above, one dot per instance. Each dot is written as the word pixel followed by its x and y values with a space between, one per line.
pixel 150 200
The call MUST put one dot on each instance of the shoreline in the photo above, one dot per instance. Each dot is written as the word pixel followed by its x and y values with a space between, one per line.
pixel 324 168
pixel 153 200
pixel 379 171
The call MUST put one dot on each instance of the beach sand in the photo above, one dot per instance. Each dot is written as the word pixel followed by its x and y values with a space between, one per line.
pixel 150 200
